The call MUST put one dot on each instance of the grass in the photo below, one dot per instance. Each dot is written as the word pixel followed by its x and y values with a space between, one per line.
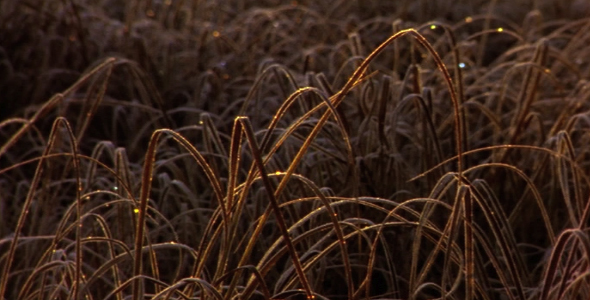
pixel 296 150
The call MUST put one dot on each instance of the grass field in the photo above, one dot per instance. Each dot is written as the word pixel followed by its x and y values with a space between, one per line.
pixel 240 149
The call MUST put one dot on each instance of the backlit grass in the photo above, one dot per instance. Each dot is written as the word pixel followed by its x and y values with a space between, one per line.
pixel 294 150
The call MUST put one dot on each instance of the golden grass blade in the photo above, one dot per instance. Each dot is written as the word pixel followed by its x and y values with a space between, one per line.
pixel 26 206
pixel 256 155
pixel 51 103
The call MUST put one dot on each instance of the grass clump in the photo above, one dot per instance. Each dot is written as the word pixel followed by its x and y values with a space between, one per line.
pixel 301 150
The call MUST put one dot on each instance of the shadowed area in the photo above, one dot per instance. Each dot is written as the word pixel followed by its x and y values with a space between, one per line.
pixel 170 149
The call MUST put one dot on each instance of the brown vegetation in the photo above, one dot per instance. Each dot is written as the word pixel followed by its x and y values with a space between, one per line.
pixel 170 149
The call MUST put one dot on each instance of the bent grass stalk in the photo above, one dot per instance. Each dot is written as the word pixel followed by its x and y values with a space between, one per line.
pixel 27 205
pixel 272 209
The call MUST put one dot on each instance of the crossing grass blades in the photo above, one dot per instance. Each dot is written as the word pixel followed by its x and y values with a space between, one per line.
pixel 195 150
